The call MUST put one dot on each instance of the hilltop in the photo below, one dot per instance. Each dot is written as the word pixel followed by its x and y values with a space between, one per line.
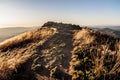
pixel 60 51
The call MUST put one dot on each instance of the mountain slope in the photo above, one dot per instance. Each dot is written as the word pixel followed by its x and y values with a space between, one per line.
pixel 58 51
pixel 6 33
pixel 109 31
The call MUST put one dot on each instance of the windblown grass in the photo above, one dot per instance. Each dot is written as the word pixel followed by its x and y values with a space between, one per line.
pixel 9 64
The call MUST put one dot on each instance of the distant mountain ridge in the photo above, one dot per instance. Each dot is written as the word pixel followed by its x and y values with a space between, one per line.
pixel 112 32
pixel 111 27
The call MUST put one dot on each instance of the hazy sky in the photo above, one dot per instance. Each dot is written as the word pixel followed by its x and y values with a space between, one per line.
pixel 36 12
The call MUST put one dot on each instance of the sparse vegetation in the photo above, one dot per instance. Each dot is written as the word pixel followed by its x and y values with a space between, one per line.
pixel 60 51
pixel 96 64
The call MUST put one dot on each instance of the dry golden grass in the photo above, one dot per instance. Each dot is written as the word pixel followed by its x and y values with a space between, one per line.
pixel 10 62
pixel 100 58
pixel 83 36
pixel 105 53
pixel 56 50
pixel 16 39
pixel 31 35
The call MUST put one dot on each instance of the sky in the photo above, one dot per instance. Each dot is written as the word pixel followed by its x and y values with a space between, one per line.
pixel 27 13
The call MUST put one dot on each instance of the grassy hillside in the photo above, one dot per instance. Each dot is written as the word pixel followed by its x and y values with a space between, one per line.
pixel 6 33
pixel 60 51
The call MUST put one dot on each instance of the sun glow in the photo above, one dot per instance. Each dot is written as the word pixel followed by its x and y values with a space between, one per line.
pixel 7 16
pixel 7 19
pixel 36 12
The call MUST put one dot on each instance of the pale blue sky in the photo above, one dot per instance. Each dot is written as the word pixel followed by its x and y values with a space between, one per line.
pixel 36 12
